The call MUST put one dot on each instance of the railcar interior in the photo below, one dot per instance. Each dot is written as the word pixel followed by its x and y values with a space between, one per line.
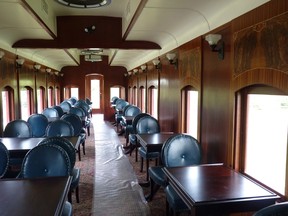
pixel 134 77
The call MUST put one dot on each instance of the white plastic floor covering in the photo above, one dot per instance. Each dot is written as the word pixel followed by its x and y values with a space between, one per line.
pixel 116 188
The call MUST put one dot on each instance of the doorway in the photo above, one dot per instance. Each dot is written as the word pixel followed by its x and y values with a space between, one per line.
pixel 94 88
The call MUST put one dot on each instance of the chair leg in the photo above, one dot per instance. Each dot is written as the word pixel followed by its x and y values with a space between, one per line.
pixel 77 194
pixel 83 145
pixel 147 167
pixel 141 165
pixel 79 153
pixel 70 196
pixel 136 154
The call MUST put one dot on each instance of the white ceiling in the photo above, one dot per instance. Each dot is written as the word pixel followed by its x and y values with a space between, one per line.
pixel 169 23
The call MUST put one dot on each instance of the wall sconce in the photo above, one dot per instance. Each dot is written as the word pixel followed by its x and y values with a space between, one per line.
pixel 125 74
pixel 143 68
pixel 1 54
pixel 213 39
pixel 135 71
pixel 37 67
pixel 19 62
pixel 129 73
pixel 48 70
pixel 157 63
pixel 90 29
pixel 172 59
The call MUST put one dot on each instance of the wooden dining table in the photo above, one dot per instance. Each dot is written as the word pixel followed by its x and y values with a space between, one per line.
pixel 153 142
pixel 215 189
pixel 41 196
pixel 23 145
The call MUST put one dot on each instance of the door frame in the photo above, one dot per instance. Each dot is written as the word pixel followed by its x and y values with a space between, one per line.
pixel 88 79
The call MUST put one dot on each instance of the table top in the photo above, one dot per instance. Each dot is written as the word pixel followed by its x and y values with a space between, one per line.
pixel 153 142
pixel 219 187
pixel 25 144
pixel 26 197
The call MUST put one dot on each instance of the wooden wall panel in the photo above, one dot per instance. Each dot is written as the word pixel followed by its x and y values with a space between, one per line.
pixel 113 76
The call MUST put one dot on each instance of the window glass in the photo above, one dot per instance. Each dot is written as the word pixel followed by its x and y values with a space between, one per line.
pixel 5 108
pixel 40 99
pixel 75 92
pixel 114 92
pixel 25 103
pixel 153 100
pixel 266 139
pixel 190 111
pixel 142 99
pixel 50 97
pixel 95 93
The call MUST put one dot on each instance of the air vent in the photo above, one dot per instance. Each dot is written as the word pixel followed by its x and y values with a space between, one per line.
pixel 93 58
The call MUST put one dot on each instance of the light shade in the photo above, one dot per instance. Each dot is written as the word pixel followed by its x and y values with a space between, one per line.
pixel 37 66
pixel 156 62
pixel 1 54
pixel 48 70
pixel 143 67
pixel 20 61
pixel 170 56
pixel 213 39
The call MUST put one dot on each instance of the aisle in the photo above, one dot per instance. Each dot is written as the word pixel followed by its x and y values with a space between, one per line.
pixel 116 188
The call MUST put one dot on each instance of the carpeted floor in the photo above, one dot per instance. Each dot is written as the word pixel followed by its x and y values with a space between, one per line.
pixel 87 164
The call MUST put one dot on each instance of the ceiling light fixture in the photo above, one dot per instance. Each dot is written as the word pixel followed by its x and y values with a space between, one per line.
pixel 84 4
pixel 90 29
pixel 213 40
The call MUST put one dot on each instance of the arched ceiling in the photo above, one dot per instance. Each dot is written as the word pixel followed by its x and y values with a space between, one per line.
pixel 130 32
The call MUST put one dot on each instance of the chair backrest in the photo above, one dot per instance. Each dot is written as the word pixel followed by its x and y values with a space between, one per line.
pixel 135 121
pixel 78 111
pixel 38 123
pixel 147 125
pixel 4 159
pixel 114 99
pixel 17 128
pixel 65 144
pixel 120 104
pixel 75 121
pixel 279 209
pixel 59 110
pixel 65 105
pixel 132 111
pixel 45 161
pixel 59 128
pixel 50 112
pixel 88 101
pixel 181 150
pixel 73 100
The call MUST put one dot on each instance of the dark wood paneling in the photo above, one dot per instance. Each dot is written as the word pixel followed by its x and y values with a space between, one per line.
pixel 113 76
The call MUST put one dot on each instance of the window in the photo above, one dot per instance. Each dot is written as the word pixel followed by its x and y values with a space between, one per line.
pixel 74 92
pixel 95 93
pixel 57 95
pixel 135 96
pixel 153 102
pixel 265 113
pixel 40 99
pixel 50 96
pixel 7 105
pixel 26 97
pixel 190 111
pixel 142 99
pixel 114 92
